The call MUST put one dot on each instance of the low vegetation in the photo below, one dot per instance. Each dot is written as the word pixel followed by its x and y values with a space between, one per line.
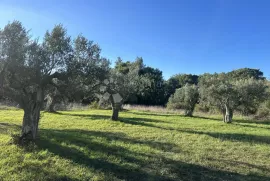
pixel 87 145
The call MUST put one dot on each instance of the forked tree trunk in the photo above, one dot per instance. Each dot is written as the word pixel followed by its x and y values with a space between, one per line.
pixel 228 114
pixel 31 119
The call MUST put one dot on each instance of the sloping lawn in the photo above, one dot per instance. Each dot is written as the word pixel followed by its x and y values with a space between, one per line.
pixel 87 145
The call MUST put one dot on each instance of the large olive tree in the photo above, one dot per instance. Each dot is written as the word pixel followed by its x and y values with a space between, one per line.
pixel 27 67
pixel 227 93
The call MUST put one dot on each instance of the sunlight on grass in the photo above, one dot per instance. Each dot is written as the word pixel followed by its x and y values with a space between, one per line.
pixel 87 145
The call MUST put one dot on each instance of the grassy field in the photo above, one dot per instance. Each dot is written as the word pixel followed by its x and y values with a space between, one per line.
pixel 87 145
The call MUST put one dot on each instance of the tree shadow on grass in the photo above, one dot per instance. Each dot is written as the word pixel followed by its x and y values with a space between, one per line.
pixel 121 119
pixel 207 118
pixel 89 116
pixel 240 163
pixel 86 139
pixel 232 136
pixel 6 127
pixel 266 122
pixel 109 137
pixel 134 165
pixel 39 173
pixel 173 115
pixel 137 121
pixel 144 113
pixel 146 122
pixel 256 126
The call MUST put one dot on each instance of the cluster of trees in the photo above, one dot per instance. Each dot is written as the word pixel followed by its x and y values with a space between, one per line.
pixel 38 74
pixel 242 90
pixel 55 68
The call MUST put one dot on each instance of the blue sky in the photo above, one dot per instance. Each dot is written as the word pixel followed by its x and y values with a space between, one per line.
pixel 176 36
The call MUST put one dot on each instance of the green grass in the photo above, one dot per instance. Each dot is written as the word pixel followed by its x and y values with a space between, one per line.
pixel 87 145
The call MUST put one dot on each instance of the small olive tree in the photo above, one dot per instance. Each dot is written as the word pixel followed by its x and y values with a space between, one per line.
pixel 118 87
pixel 185 98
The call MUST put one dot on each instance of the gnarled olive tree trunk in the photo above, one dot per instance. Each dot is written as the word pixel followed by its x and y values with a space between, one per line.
pixel 31 117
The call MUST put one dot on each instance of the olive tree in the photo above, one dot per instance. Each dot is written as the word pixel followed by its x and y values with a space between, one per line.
pixel 252 93
pixel 84 72
pixel 118 87
pixel 229 94
pixel 28 66
pixel 185 98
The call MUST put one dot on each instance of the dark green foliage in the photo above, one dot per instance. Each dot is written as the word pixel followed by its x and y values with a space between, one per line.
pixel 151 90
pixel 125 67
pixel 246 73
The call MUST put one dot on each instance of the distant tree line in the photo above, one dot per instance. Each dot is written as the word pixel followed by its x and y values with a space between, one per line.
pixel 37 75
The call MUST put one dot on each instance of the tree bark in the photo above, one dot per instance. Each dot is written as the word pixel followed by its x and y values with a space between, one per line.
pixel 31 118
pixel 30 122
pixel 115 113
pixel 50 104
pixel 228 114
pixel 224 114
